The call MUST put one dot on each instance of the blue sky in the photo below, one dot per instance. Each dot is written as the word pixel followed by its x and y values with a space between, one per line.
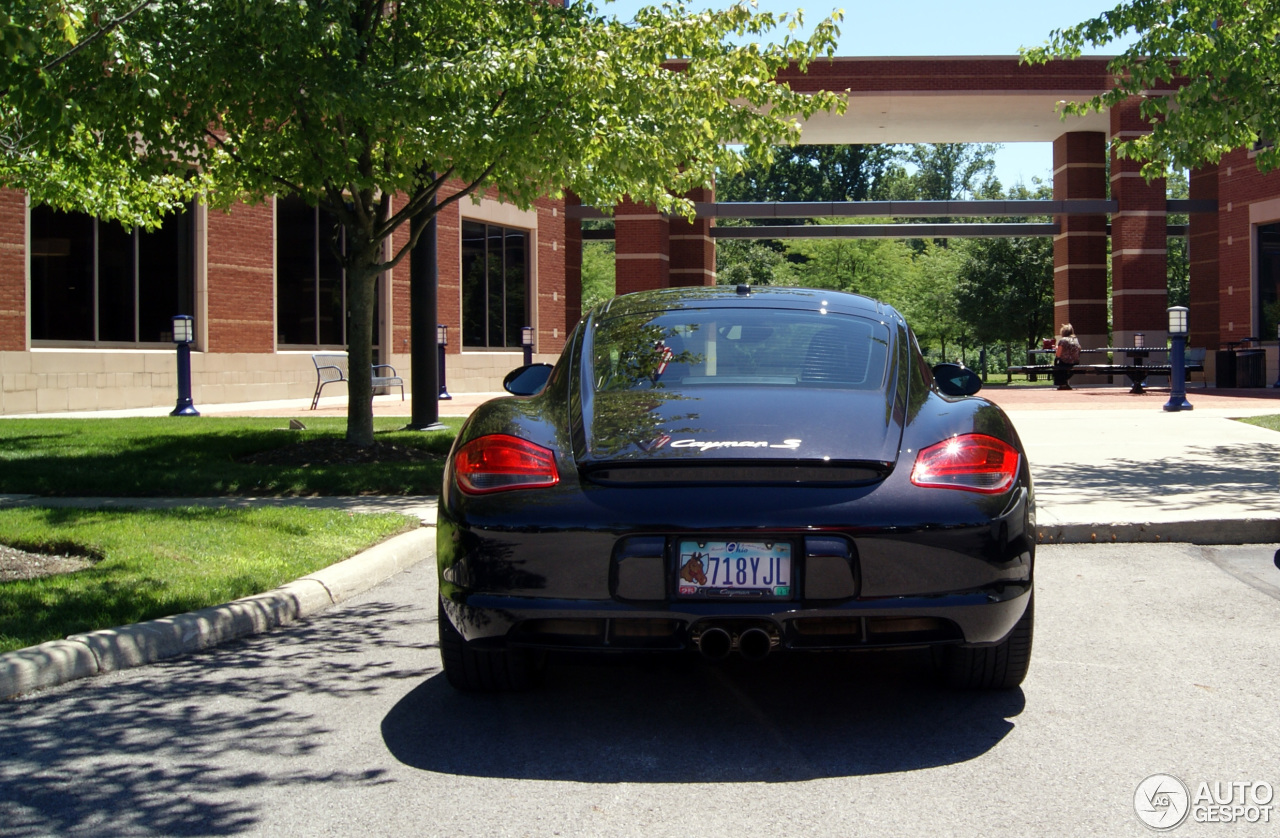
pixel 938 27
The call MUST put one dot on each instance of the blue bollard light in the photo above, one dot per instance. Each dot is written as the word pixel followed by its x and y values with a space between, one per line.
pixel 183 335
pixel 526 343
pixel 442 340
pixel 1178 360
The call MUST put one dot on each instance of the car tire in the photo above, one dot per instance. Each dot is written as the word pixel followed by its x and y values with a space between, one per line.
pixel 999 667
pixel 485 670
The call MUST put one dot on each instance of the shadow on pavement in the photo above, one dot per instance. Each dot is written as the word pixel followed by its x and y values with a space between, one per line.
pixel 1246 478
pixel 648 721
pixel 186 749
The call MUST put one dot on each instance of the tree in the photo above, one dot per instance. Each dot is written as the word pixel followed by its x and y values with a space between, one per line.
pixel 369 108
pixel 812 173
pixel 1223 56
pixel 1004 291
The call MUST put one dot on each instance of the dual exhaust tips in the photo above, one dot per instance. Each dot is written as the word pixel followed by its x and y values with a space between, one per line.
pixel 716 643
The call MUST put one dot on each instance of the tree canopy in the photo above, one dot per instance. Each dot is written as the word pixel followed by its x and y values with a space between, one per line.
pixel 125 108
pixel 1222 54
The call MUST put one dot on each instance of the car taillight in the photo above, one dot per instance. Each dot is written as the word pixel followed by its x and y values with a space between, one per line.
pixel 498 462
pixel 973 462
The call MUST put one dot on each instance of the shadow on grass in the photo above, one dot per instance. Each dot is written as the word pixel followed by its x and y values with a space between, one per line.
pixel 195 745
pixel 141 457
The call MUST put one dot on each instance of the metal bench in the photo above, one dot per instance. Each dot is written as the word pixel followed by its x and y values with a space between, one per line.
pixel 332 367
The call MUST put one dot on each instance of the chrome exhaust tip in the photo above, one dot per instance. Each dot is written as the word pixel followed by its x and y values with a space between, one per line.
pixel 755 644
pixel 715 644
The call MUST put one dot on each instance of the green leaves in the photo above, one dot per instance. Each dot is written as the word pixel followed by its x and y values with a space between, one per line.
pixel 1222 58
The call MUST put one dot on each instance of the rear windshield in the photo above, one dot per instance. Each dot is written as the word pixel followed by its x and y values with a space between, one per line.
pixel 714 347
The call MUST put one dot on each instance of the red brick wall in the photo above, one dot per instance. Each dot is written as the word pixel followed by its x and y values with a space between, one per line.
pixel 1080 249
pixel 241 266
pixel 1239 185
pixel 399 340
pixel 1139 242
pixel 449 267
pixel 693 251
pixel 1202 319
pixel 880 75
pixel 13 270
pixel 642 245
pixel 552 252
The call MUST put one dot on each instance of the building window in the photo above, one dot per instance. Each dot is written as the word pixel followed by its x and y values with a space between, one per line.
pixel 96 282
pixel 311 288
pixel 1268 296
pixel 495 285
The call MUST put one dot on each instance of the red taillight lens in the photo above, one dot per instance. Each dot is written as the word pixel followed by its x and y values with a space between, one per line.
pixel 498 462
pixel 973 462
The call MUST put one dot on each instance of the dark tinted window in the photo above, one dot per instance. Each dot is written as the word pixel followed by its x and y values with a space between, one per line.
pixel 495 283
pixel 311 301
pixel 97 282
pixel 755 347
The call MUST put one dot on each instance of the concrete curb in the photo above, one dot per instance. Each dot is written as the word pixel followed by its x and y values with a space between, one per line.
pixel 84 655
pixel 1218 531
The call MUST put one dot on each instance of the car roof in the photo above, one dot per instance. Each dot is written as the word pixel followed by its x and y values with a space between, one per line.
pixel 754 296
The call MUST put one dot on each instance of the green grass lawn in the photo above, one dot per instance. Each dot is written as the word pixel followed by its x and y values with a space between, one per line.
pixel 1269 422
pixel 183 457
pixel 155 563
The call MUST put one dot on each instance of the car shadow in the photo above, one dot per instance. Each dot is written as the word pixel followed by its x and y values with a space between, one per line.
pixel 645 720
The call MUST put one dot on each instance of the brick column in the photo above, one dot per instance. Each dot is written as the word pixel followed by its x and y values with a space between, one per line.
pixel 1139 246
pixel 1203 253
pixel 241 279
pixel 13 270
pixel 1080 249
pixel 642 245
pixel 693 251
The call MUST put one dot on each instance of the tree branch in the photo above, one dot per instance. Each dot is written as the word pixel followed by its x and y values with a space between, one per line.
pixel 112 25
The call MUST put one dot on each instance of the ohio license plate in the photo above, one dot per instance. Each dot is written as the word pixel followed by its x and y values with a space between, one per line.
pixel 747 569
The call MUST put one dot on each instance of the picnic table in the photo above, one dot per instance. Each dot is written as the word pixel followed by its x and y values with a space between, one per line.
pixel 1136 370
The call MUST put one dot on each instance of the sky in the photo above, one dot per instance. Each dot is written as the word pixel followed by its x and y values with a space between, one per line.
pixel 937 27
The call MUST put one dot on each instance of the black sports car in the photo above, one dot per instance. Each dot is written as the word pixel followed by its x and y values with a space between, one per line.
pixel 738 471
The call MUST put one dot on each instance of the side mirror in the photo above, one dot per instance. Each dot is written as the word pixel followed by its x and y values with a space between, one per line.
pixel 527 380
pixel 955 380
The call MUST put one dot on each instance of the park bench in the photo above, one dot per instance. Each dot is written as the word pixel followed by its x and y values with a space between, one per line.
pixel 332 367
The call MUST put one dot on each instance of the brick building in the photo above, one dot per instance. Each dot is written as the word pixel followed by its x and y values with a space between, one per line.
pixel 85 306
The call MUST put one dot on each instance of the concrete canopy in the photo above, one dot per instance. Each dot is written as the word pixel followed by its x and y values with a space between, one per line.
pixel 967 99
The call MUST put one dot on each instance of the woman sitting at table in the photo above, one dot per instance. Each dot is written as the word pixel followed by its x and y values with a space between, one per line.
pixel 1066 355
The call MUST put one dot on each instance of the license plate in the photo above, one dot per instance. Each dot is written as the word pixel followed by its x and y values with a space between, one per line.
pixel 746 569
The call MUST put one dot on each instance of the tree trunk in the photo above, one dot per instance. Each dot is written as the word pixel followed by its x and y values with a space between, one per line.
pixel 361 303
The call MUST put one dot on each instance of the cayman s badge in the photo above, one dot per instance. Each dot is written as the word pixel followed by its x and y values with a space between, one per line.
pixel 785 445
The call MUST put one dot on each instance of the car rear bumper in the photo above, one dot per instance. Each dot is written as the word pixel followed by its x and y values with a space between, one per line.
pixel 976 618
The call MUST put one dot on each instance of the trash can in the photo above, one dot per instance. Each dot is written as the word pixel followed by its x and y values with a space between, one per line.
pixel 1225 366
pixel 1251 368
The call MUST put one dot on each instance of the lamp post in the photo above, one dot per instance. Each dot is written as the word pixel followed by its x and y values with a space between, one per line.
pixel 1139 340
pixel 442 340
pixel 526 341
pixel 1177 360
pixel 183 335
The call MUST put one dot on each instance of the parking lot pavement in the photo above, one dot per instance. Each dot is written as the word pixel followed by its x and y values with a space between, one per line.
pixel 1148 659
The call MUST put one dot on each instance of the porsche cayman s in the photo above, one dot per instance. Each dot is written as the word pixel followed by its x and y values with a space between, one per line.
pixel 739 471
